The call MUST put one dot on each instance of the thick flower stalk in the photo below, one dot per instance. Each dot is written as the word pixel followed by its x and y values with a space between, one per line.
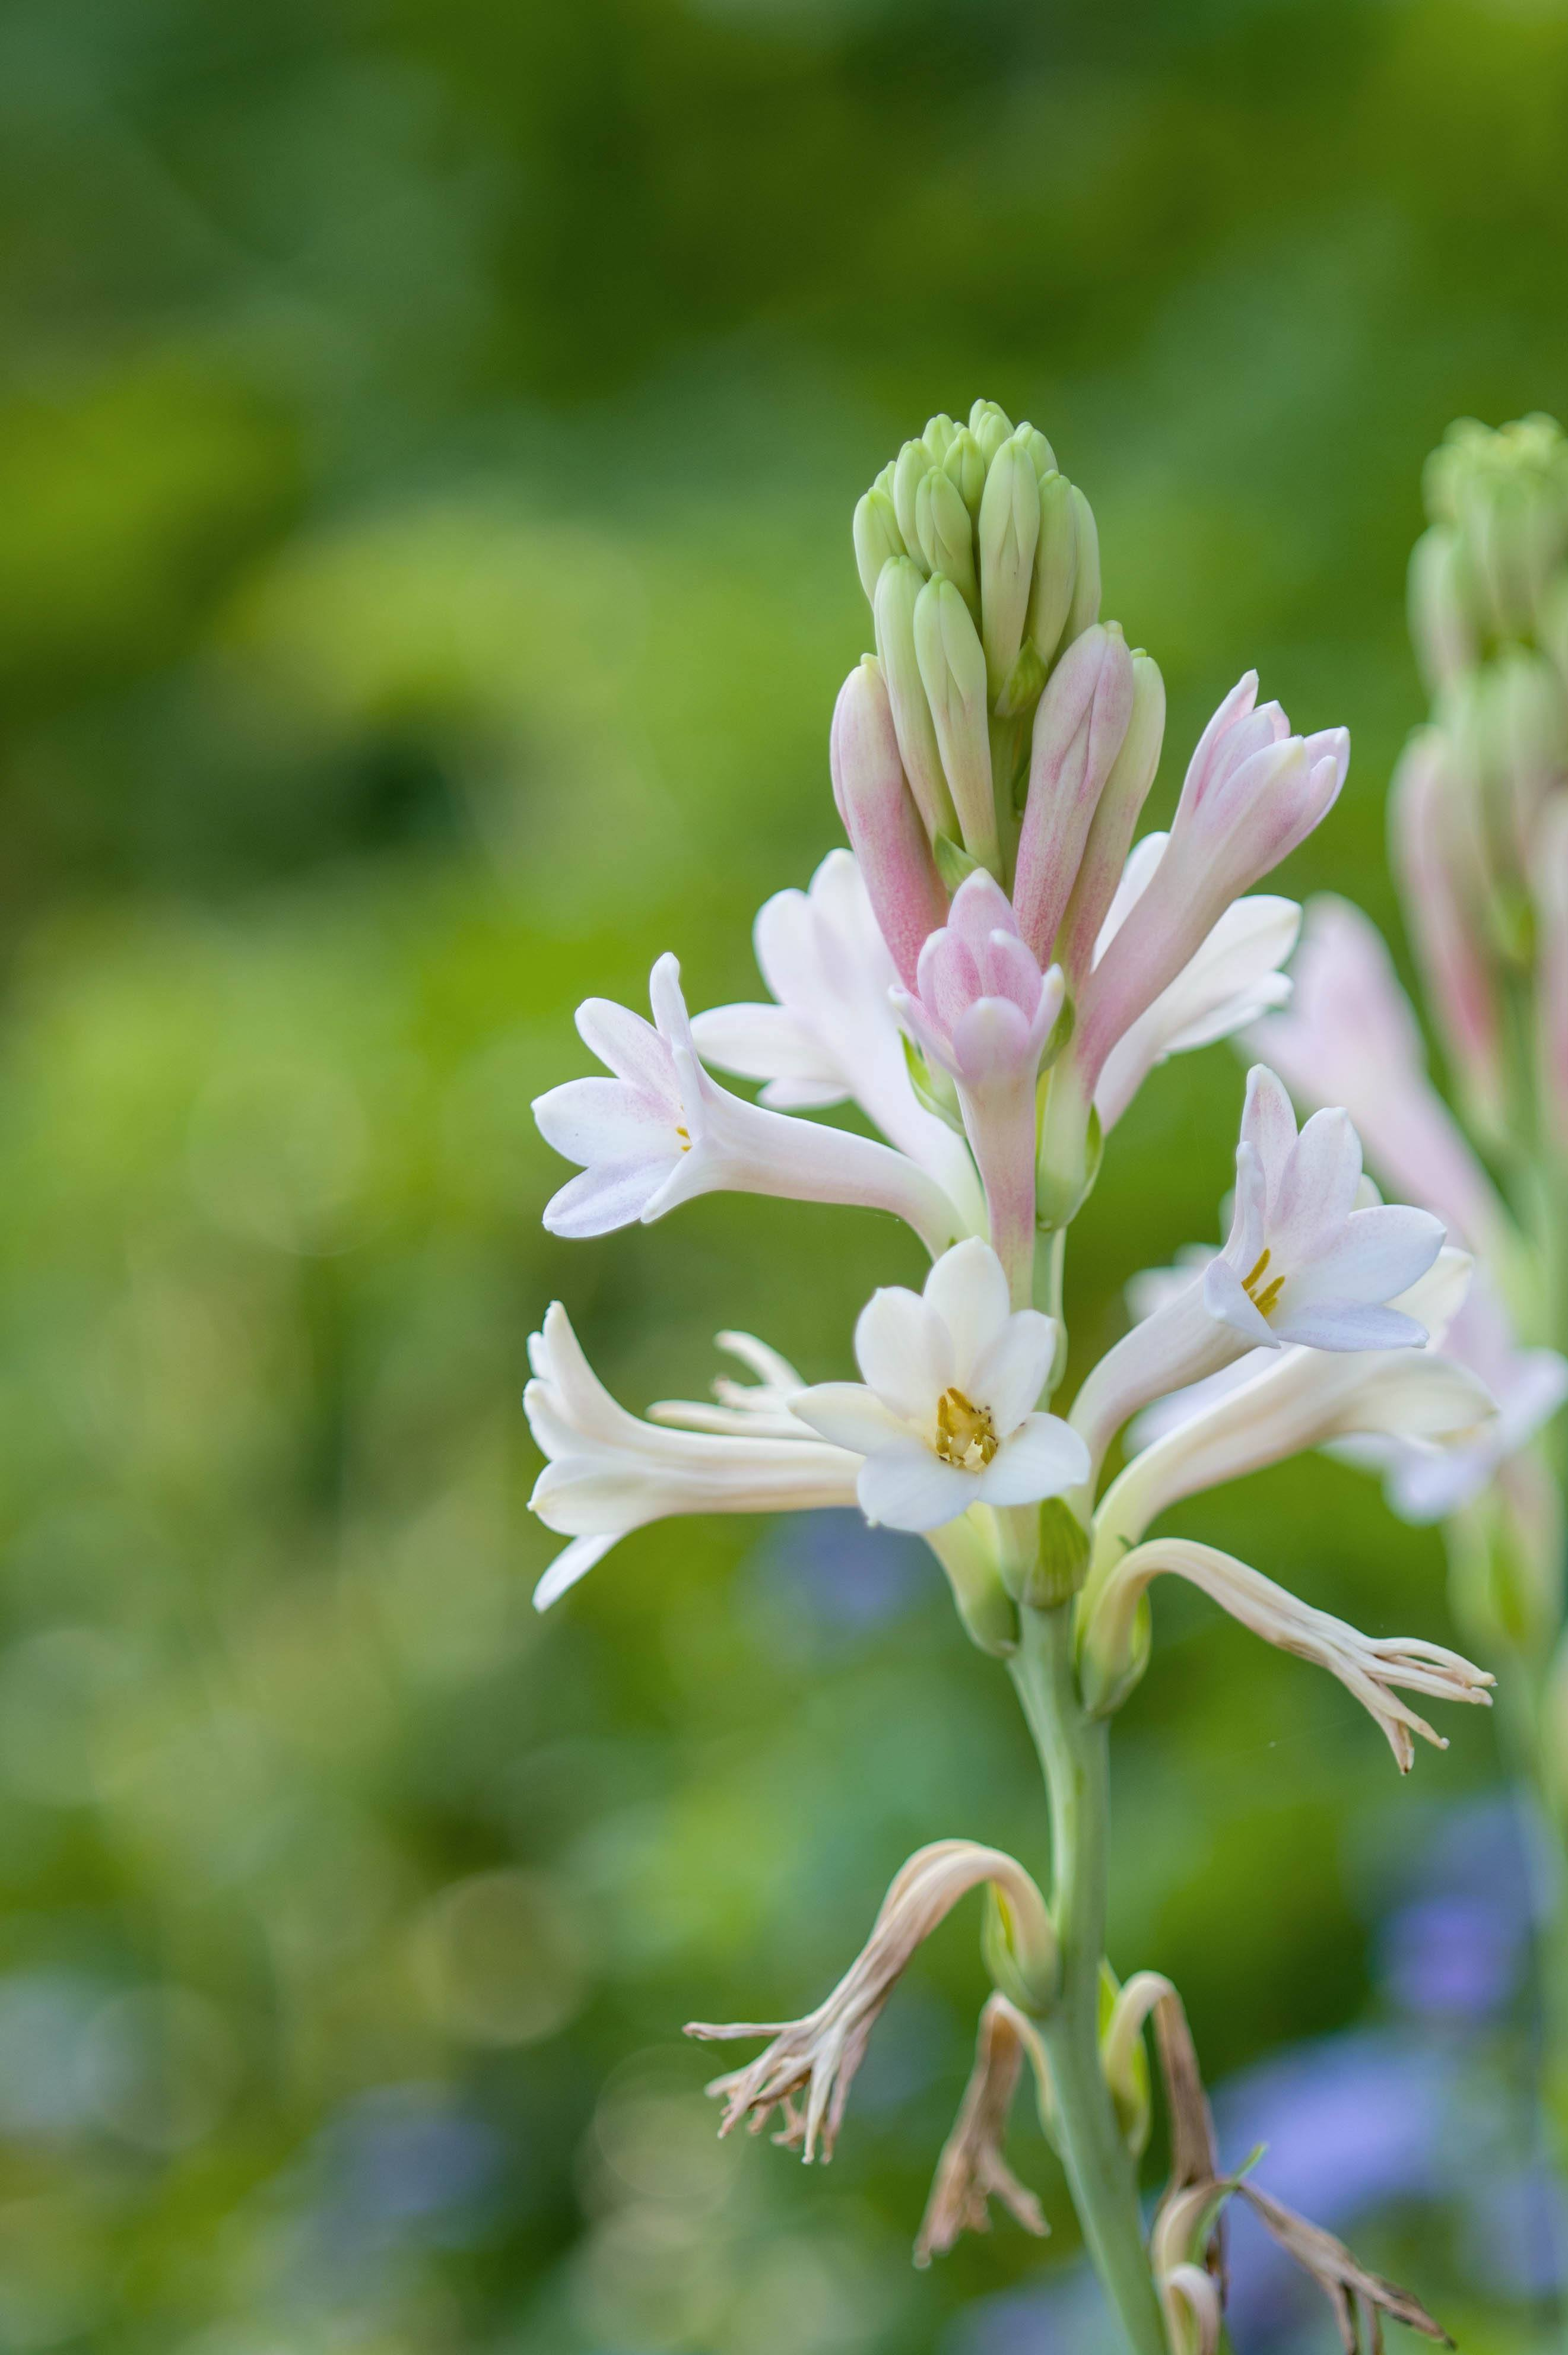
pixel 988 972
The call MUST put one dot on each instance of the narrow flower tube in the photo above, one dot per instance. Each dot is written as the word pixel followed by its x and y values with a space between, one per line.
pixel 1303 1264
pixel 1080 728
pixel 832 1033
pixel 952 671
pixel 1350 1038
pixel 1374 1669
pixel 1301 1398
pixel 1253 793
pixel 819 2056
pixel 661 1132
pixel 608 1473
pixel 881 818
pixel 971 2170
pixel 898 589
pixel 983 1012
pixel 1448 924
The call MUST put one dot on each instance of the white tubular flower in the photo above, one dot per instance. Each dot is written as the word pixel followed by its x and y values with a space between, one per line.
pixel 1350 1038
pixel 609 1472
pixel 832 1034
pixel 984 1011
pixel 661 1132
pixel 945 1417
pixel 1373 1668
pixel 1302 1398
pixel 818 2055
pixel 1424 1483
pixel 971 2170
pixel 1234 978
pixel 1301 1265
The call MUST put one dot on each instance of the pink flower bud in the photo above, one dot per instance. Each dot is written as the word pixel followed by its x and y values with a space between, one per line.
pixel 881 820
pixel 1253 793
pixel 1078 729
pixel 1550 880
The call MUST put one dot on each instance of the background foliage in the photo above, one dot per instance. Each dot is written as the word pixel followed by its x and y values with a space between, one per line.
pixel 428 435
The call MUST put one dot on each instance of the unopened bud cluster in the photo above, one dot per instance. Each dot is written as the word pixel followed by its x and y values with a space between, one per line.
pixel 1480 806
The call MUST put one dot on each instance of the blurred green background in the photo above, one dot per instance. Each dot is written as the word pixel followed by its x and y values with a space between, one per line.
pixel 428 436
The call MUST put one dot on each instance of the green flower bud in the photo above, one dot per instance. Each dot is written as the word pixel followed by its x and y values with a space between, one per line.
pixel 1442 608
pixel 899 587
pixel 1008 536
pixel 913 461
pixel 1019 1945
pixel 947 536
pixel 938 436
pixel 953 671
pixel 1061 1561
pixel 1055 566
pixel 1506 496
pixel 966 468
pixel 877 536
pixel 991 426
pixel 1042 457
pixel 884 482
pixel 1084 610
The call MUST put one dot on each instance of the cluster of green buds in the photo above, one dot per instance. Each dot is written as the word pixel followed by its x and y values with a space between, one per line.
pixel 1480 804
pixel 982 565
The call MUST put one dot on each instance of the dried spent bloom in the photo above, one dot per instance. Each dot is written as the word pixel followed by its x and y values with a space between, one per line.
pixel 972 2172
pixel 945 1418
pixel 660 1132
pixel 818 2055
pixel 1372 1668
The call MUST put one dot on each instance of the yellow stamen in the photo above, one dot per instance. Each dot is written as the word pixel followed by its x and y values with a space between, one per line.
pixel 1247 1281
pixel 965 1435
pixel 686 1147
pixel 1268 1298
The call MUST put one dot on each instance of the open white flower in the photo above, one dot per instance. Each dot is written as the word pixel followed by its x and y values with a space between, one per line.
pixel 1234 978
pixel 660 1132
pixel 610 1472
pixel 1307 1262
pixel 832 1033
pixel 945 1417
pixel 1302 1398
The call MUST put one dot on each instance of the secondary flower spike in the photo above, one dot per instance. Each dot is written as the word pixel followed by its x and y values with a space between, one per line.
pixel 945 1418
pixel 661 1132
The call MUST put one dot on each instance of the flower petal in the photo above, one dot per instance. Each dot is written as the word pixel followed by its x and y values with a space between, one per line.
pixel 1044 1457
pixel 1225 1299
pixel 764 1042
pixel 614 1195
pixel 904 1351
pixel 630 1047
pixel 1008 1374
pixel 850 1415
pixel 968 1290
pixel 1317 1190
pixel 574 1563
pixel 1345 1325
pixel 1375 1256
pixel 605 1120
pixel 1268 1124
pixel 911 1488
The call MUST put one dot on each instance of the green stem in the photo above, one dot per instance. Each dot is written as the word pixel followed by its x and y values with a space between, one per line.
pixel 1075 1757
